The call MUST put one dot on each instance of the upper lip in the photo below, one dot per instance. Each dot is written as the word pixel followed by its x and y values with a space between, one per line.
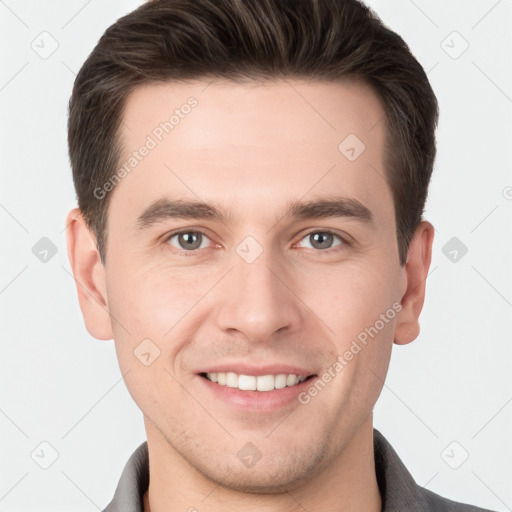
pixel 268 369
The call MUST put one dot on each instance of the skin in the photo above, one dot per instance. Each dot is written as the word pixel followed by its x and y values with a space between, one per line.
pixel 251 149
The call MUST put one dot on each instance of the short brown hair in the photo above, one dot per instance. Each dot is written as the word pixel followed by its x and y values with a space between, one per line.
pixel 240 40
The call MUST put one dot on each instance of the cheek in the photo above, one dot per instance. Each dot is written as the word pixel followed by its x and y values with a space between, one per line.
pixel 357 305
pixel 366 317
pixel 147 305
pixel 156 304
pixel 154 297
pixel 352 297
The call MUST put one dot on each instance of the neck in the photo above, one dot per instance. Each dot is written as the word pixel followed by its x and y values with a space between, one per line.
pixel 347 484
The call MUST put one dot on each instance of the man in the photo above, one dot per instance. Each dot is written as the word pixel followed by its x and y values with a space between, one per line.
pixel 251 177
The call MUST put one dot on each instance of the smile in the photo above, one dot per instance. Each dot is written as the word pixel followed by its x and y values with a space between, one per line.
pixel 255 383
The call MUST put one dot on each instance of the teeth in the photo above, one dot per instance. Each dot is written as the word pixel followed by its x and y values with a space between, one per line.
pixel 253 383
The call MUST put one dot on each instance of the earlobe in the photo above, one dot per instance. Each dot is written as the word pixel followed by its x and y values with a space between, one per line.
pixel 415 274
pixel 89 275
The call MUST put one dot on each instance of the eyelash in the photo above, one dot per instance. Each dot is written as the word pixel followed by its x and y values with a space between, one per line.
pixel 194 252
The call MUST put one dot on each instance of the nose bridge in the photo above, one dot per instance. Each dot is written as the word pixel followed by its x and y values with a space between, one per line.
pixel 257 279
pixel 259 302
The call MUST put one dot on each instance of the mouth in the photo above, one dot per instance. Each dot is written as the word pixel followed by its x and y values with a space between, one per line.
pixel 263 383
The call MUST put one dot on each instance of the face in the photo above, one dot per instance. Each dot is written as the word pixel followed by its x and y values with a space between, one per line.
pixel 289 264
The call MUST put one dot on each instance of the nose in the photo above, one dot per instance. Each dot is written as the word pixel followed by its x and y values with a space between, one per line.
pixel 259 300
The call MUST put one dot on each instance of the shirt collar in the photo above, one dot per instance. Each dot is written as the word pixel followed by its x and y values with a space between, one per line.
pixel 133 483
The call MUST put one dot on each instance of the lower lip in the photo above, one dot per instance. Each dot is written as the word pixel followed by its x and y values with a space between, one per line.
pixel 259 401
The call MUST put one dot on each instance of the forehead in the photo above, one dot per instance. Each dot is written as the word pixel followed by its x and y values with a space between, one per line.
pixel 252 146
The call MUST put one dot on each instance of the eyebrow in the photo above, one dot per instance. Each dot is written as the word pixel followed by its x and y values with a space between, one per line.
pixel 330 207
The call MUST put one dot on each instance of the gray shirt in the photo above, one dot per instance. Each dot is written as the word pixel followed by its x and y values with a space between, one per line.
pixel 398 490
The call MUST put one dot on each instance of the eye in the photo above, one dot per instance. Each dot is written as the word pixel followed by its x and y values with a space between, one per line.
pixel 323 240
pixel 188 241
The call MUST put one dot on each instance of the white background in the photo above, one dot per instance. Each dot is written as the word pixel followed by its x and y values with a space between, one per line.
pixel 60 385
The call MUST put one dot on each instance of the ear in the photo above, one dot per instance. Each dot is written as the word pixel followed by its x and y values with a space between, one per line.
pixel 89 274
pixel 415 275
